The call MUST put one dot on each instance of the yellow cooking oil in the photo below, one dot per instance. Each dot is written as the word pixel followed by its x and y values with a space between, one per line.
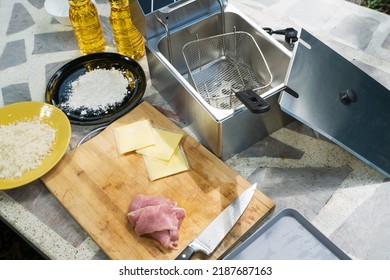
pixel 128 39
pixel 86 26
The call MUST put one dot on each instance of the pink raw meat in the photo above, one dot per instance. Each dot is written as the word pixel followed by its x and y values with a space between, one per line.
pixel 157 217
pixel 141 201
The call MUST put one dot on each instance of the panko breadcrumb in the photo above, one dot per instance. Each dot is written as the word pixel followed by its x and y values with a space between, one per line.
pixel 97 91
pixel 23 146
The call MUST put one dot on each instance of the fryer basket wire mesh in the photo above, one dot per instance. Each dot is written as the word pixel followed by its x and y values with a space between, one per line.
pixel 221 65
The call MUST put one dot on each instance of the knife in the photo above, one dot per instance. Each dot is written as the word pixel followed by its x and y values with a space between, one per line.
pixel 214 233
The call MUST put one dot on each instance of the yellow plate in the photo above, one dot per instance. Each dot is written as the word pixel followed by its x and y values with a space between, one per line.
pixel 49 115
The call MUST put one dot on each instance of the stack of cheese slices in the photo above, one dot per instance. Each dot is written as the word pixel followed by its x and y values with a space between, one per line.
pixel 160 148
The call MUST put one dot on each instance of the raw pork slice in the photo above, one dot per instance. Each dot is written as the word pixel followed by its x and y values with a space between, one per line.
pixel 158 217
pixel 141 201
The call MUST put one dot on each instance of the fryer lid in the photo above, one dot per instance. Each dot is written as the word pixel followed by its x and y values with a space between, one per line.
pixel 340 101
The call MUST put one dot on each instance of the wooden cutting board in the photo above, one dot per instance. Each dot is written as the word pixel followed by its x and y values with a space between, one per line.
pixel 96 185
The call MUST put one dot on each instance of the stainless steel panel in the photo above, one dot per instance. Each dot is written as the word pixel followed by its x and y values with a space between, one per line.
pixel 321 78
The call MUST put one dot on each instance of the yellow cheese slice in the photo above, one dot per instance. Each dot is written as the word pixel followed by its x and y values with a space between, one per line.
pixel 158 168
pixel 166 143
pixel 134 136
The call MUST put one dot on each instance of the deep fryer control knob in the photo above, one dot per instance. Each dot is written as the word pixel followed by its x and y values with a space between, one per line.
pixel 348 96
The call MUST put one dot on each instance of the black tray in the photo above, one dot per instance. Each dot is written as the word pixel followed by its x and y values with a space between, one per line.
pixel 57 90
pixel 287 236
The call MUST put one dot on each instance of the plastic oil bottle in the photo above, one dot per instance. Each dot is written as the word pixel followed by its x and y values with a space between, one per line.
pixel 86 26
pixel 128 39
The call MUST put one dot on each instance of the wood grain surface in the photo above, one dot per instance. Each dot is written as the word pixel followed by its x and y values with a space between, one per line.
pixel 96 185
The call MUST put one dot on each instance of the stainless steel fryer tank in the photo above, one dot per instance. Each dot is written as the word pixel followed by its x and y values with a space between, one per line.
pixel 167 30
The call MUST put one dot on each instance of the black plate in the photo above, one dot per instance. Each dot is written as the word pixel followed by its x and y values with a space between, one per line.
pixel 57 90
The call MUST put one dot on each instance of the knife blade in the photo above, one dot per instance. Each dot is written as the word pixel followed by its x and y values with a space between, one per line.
pixel 214 233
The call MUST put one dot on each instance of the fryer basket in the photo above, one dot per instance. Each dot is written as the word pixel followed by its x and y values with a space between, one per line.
pixel 221 65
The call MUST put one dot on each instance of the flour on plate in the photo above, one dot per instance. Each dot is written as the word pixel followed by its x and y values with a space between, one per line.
pixel 23 146
pixel 96 91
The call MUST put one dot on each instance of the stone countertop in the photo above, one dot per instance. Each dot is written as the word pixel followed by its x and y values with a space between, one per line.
pixel 295 166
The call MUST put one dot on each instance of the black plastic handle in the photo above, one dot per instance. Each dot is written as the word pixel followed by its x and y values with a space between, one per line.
pixel 187 253
pixel 253 101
